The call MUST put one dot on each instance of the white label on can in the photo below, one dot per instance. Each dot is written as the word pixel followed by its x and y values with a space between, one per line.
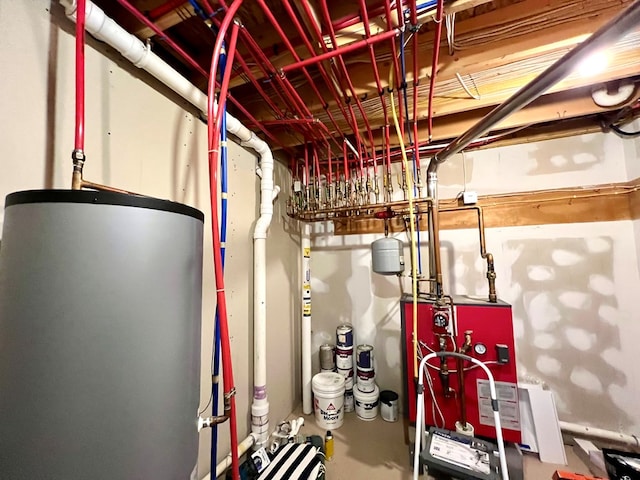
pixel 508 407
pixel 344 361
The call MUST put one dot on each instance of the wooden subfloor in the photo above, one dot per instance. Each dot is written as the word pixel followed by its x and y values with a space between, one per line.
pixel 376 450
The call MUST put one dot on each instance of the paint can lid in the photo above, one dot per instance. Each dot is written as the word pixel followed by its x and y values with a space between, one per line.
pixel 388 396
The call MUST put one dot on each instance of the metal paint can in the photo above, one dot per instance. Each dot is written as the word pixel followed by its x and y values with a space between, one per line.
pixel 349 402
pixel 327 357
pixel 347 373
pixel 344 336
pixel 344 358
pixel 364 356
pixel 366 380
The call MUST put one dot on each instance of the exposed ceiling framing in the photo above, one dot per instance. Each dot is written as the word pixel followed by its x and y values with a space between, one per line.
pixel 489 49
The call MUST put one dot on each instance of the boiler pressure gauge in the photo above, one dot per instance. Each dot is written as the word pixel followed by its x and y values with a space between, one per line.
pixel 440 319
pixel 480 348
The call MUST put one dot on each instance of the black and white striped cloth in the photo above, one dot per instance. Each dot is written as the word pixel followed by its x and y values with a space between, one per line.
pixel 295 461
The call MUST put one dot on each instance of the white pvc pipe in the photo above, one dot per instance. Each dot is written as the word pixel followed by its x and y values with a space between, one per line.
pixel 305 243
pixel 243 448
pixel 420 411
pixel 107 30
pixel 600 434
pixel 268 193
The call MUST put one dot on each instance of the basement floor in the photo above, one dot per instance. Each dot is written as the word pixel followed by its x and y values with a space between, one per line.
pixel 376 450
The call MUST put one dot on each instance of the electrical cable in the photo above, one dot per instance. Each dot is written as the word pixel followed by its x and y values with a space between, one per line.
pixel 623 133
pixel 412 223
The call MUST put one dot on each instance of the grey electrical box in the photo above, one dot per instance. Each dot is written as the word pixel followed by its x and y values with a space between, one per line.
pixel 387 257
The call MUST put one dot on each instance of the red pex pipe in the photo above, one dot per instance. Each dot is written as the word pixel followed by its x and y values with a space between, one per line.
pixel 81 13
pixel 292 50
pixel 376 74
pixel 381 37
pixel 214 144
pixel 323 72
pixel 351 20
pixel 416 73
pixel 345 161
pixel 318 33
pixel 394 50
pixel 260 59
pixel 299 105
pixel 306 165
pixel 200 70
pixel 434 64
pixel 329 158
pixel 327 17
pixel 140 17
pixel 165 8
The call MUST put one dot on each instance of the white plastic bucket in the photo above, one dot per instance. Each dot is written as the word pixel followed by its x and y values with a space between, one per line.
pixel 349 404
pixel 366 403
pixel 389 406
pixel 344 358
pixel 366 379
pixel 328 392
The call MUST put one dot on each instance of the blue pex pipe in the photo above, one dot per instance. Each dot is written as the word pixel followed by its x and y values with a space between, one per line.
pixel 223 239
pixel 413 142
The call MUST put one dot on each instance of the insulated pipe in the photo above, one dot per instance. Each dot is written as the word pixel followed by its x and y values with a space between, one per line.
pixel 600 434
pixel 603 38
pixel 420 410
pixel 307 406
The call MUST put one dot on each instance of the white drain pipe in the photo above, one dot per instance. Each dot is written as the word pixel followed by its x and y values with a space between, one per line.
pixel 598 433
pixel 99 25
pixel 305 244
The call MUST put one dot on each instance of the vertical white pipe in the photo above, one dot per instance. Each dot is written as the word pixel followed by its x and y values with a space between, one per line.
pixel 268 193
pixel 107 30
pixel 305 243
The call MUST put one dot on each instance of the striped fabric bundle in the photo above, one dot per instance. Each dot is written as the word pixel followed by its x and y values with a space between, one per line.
pixel 295 462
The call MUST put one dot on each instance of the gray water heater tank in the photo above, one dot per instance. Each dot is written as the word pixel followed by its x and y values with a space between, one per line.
pixel 387 257
pixel 100 316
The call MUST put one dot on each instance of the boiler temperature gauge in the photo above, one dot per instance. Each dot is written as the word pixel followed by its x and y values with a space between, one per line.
pixel 480 348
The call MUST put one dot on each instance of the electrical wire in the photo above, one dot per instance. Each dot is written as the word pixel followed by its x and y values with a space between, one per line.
pixel 412 222
pixel 623 133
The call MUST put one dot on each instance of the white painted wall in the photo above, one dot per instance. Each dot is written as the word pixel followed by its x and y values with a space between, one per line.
pixel 573 287
pixel 139 140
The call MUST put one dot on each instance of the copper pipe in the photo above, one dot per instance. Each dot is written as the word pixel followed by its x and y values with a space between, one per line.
pixel 491 272
pixel 460 367
pixel 105 188
pixel 615 29
pixel 324 214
